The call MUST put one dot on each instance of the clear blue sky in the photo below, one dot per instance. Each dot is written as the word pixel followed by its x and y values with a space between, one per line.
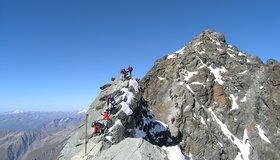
pixel 55 54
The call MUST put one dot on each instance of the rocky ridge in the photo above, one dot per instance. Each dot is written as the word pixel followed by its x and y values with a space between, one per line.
pixel 224 103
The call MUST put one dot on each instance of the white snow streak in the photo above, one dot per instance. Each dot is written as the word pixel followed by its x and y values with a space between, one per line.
pixel 220 144
pixel 117 123
pixel 216 73
pixel 234 104
pixel 198 83
pixel 170 56
pixel 219 49
pixel 231 55
pixel 241 54
pixel 160 78
pixel 132 82
pixel 202 121
pixel 190 74
pixel 197 44
pixel 238 157
pixel 243 72
pixel 262 135
pixel 189 88
pixel 125 105
pixel 203 64
pixel 180 51
pixel 243 146
pixel 174 153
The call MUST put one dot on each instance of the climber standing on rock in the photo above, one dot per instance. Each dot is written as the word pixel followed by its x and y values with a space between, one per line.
pixel 105 119
pixel 129 70
pixel 123 74
pixel 177 75
pixel 111 102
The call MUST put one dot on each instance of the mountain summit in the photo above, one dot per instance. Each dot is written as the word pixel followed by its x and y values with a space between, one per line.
pixel 208 100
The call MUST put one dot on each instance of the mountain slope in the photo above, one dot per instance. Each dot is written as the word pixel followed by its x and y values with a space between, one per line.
pixel 226 102
pixel 206 101
pixel 44 141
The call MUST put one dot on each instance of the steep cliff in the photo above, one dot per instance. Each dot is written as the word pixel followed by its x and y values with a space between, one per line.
pixel 226 102
pixel 208 100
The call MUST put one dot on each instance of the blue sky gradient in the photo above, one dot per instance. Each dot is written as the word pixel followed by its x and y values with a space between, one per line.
pixel 54 55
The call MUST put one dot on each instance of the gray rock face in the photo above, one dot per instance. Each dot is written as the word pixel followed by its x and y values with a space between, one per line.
pixel 222 104
pixel 131 119
pixel 138 149
pixel 242 92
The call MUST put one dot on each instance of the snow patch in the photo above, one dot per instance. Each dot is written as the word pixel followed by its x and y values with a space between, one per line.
pixel 163 124
pixel 198 83
pixel 261 87
pixel 243 146
pixel 181 83
pixel 243 72
pixel 234 104
pixel 231 55
pixel 160 78
pixel 248 61
pixel 244 98
pixel 216 72
pixel 241 54
pixel 171 56
pixel 174 152
pixel 189 88
pixel 117 123
pixel 262 135
pixel 219 49
pixel 157 126
pixel 197 44
pixel 125 105
pixel 109 138
pixel 180 51
pixel 190 74
pixel 203 64
pixel 239 156
pixel 133 83
pixel 231 50
pixel 202 121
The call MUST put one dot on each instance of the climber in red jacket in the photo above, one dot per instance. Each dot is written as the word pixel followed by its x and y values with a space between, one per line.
pixel 97 130
pixel 105 119
pixel 123 74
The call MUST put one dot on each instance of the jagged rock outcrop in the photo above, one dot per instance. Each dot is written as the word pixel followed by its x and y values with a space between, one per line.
pixel 208 100
pixel 131 122
pixel 227 101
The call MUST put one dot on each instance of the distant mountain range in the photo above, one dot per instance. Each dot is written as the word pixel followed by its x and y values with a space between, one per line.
pixel 21 121
pixel 36 135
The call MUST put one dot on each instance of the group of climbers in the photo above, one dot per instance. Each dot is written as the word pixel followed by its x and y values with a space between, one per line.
pixel 124 72
pixel 100 127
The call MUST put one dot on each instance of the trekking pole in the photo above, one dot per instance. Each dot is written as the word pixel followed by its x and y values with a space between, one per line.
pixel 86 135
